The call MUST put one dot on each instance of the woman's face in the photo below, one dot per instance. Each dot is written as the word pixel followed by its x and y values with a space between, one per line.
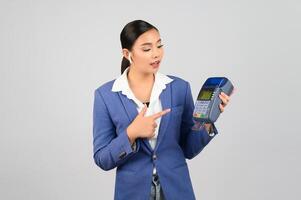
pixel 147 52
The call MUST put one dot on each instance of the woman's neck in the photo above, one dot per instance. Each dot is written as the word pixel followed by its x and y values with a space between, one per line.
pixel 136 78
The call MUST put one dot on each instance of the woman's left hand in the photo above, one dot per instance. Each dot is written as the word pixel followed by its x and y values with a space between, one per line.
pixel 225 100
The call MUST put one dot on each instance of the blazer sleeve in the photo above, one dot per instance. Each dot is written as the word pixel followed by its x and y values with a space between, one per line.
pixel 109 148
pixel 193 140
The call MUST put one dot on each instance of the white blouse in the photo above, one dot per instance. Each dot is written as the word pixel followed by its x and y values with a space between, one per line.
pixel 121 84
pixel 155 106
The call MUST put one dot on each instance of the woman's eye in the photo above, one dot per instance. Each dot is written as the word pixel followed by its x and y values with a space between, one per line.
pixel 150 49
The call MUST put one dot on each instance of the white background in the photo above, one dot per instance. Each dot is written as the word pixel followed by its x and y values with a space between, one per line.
pixel 54 54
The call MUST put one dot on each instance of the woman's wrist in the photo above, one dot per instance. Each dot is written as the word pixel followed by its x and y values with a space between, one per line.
pixel 208 127
pixel 130 135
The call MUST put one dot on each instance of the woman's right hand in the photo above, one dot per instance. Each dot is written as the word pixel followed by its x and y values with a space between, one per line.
pixel 144 127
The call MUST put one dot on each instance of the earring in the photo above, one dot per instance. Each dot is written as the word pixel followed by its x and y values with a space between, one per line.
pixel 130 59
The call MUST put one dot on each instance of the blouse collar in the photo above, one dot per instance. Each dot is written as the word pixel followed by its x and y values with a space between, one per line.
pixel 121 84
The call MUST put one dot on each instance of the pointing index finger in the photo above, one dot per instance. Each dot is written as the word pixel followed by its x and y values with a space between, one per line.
pixel 160 114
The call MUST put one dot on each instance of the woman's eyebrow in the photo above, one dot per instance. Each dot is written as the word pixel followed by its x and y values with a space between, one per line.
pixel 149 43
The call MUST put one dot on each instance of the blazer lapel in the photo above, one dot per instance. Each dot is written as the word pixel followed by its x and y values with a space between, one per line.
pixel 165 98
pixel 131 110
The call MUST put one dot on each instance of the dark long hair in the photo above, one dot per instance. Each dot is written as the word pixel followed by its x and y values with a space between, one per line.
pixel 129 35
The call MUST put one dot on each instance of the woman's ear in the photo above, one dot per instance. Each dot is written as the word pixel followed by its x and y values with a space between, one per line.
pixel 126 53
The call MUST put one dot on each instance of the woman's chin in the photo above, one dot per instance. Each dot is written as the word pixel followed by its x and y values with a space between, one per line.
pixel 155 67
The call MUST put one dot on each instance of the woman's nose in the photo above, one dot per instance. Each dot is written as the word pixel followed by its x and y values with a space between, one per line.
pixel 156 53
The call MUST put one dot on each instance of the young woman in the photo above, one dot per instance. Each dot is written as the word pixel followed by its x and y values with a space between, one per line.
pixel 143 123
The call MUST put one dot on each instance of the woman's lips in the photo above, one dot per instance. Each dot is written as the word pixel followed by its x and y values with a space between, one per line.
pixel 155 64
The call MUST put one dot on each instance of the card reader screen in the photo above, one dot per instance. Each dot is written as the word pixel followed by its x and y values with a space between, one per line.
pixel 205 95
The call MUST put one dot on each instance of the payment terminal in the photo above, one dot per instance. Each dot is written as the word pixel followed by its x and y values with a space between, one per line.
pixel 207 104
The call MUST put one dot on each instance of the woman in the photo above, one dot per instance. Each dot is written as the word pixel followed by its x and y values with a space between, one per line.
pixel 143 124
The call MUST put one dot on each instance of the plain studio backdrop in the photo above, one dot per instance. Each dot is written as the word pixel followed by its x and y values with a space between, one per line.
pixel 54 54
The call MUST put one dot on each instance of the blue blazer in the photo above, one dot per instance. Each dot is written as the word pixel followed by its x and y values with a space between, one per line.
pixel 176 142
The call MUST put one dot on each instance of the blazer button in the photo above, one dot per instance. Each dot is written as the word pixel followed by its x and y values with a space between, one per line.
pixel 154 157
pixel 122 154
